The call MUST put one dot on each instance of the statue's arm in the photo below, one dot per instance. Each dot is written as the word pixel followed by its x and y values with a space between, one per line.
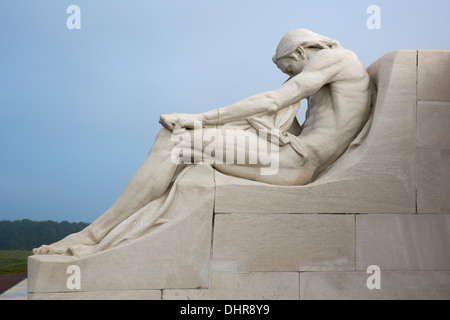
pixel 251 106
pixel 324 67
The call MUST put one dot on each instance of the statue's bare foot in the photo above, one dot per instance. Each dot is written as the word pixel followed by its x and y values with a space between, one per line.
pixel 49 249
pixel 62 247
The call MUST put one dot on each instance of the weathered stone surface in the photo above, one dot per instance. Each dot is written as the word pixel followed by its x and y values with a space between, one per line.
pixel 428 181
pixel 445 180
pixel 243 286
pixel 99 295
pixel 146 263
pixel 433 180
pixel 377 176
pixel 395 285
pixel 433 124
pixel 403 242
pixel 433 79
pixel 283 242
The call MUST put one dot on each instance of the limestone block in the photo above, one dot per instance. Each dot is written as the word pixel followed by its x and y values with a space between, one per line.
pixel 376 176
pixel 99 295
pixel 445 180
pixel 433 180
pixel 175 255
pixel 403 242
pixel 395 285
pixel 283 242
pixel 433 75
pixel 433 124
pixel 428 181
pixel 243 286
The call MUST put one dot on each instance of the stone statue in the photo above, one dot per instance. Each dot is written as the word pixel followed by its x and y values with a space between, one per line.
pixel 337 88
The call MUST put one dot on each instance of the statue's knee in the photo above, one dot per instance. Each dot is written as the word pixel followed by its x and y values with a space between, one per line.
pixel 162 142
pixel 163 134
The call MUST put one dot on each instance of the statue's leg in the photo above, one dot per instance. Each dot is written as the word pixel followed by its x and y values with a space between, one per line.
pixel 149 182
pixel 278 166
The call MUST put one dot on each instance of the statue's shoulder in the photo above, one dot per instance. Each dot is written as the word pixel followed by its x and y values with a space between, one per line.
pixel 335 58
pixel 336 54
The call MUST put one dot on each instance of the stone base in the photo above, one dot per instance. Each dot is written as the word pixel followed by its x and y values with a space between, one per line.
pixel 98 295
pixel 395 285
pixel 314 257
pixel 176 255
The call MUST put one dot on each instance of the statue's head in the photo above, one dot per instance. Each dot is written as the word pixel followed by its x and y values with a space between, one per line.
pixel 297 46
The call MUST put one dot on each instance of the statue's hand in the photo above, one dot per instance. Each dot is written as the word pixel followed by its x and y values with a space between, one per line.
pixel 168 121
pixel 189 121
pixel 178 122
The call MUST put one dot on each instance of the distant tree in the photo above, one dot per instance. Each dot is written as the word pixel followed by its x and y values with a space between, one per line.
pixel 26 234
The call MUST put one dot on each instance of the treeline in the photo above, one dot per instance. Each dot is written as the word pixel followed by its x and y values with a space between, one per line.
pixel 26 234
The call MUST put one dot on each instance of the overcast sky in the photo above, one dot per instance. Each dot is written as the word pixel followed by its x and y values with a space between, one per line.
pixel 79 109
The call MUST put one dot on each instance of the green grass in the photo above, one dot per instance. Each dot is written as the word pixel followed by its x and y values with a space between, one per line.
pixel 13 262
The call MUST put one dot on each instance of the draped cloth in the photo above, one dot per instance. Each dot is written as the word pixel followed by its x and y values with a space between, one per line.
pixel 137 224
pixel 276 126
